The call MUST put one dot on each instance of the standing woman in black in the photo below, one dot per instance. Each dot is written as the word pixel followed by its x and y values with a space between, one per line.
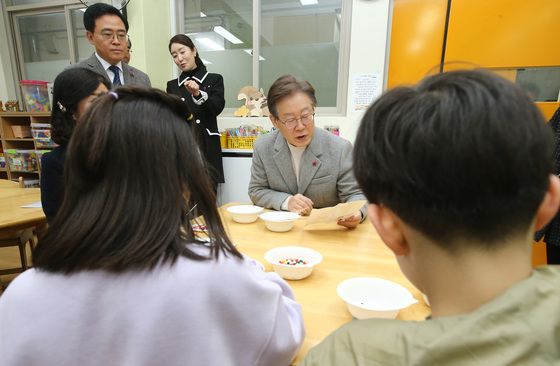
pixel 204 94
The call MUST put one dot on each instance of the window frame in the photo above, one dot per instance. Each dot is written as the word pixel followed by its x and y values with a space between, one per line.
pixel 343 55
pixel 12 12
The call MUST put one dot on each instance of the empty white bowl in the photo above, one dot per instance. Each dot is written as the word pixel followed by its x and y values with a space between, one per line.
pixel 370 297
pixel 281 257
pixel 245 214
pixel 279 221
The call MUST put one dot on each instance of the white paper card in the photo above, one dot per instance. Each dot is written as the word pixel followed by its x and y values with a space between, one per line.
pixel 326 218
pixel 33 205
pixel 365 88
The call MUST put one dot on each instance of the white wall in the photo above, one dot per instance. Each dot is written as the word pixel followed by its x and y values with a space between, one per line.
pixel 150 31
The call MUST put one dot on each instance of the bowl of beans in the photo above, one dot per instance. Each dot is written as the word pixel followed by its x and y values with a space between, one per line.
pixel 293 263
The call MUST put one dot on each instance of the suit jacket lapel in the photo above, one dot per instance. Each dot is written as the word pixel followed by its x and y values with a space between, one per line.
pixel 283 160
pixel 310 162
pixel 128 74
pixel 94 63
pixel 96 66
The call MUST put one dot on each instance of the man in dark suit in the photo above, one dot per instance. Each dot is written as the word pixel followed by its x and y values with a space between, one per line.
pixel 106 30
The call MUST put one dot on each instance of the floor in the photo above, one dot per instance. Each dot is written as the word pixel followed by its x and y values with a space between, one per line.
pixel 9 257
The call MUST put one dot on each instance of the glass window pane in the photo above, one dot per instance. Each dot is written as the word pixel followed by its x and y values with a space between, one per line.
pixel 44 41
pixel 303 41
pixel 25 2
pixel 542 83
pixel 81 45
pixel 211 25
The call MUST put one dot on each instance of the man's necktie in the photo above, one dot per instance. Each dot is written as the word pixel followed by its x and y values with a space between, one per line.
pixel 117 77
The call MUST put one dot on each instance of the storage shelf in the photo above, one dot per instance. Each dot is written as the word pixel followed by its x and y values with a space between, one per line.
pixel 25 171
pixel 8 141
pixel 25 114
pixel 247 151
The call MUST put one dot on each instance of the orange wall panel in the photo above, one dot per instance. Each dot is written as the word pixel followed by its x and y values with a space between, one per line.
pixel 416 40
pixel 538 257
pixel 504 33
pixel 548 109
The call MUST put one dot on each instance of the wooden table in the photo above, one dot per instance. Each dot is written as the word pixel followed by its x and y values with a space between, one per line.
pixel 12 215
pixel 346 253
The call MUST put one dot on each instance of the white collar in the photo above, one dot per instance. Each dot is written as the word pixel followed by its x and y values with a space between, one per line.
pixel 200 81
pixel 105 64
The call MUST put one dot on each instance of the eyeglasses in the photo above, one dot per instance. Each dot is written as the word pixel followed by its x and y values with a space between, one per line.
pixel 293 122
pixel 109 36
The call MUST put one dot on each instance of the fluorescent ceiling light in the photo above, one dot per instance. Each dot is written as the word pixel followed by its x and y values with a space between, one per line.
pixel 202 15
pixel 210 44
pixel 250 53
pixel 309 2
pixel 227 35
pixel 84 10
pixel 206 62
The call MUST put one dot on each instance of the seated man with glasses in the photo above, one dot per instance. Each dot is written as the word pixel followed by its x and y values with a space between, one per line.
pixel 106 30
pixel 298 167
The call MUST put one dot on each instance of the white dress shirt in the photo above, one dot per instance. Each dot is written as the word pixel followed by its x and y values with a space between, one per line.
pixel 110 74
pixel 297 153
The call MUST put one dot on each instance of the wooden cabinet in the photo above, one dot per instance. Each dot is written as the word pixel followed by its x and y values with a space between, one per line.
pixel 20 151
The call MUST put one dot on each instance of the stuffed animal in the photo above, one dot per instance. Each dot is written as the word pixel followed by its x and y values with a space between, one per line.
pixel 255 103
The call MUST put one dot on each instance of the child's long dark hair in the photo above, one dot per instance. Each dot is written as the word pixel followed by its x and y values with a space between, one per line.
pixel 133 173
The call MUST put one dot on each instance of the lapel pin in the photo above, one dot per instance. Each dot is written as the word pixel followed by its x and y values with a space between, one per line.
pixel 314 163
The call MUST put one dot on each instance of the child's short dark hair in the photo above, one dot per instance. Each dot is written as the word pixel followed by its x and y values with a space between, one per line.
pixel 462 154
pixel 98 10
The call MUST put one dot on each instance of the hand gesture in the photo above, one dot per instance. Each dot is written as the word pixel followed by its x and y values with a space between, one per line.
pixel 192 88
pixel 350 221
pixel 300 204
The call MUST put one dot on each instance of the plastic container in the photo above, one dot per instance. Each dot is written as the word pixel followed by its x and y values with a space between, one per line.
pixel 293 263
pixel 36 95
pixel 371 297
pixel 245 214
pixel 279 221
pixel 42 135
pixel 22 160
pixel 240 142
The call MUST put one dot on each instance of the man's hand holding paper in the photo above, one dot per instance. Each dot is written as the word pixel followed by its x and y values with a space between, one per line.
pixel 331 218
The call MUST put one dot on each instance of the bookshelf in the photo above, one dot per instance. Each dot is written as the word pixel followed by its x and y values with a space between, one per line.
pixel 21 154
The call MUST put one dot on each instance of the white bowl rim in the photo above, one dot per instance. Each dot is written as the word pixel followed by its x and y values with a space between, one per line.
pixel 253 209
pixel 412 300
pixel 288 216
pixel 275 263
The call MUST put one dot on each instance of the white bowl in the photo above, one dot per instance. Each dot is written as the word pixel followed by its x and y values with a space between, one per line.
pixel 290 271
pixel 245 214
pixel 369 297
pixel 279 221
